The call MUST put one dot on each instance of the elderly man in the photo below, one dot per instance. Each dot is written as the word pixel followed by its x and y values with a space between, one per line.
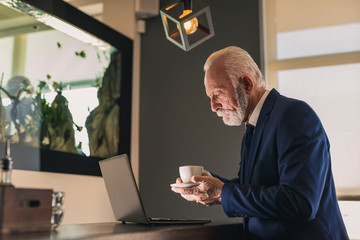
pixel 285 187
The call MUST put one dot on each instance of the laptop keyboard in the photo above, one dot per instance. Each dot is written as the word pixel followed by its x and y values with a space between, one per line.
pixel 178 221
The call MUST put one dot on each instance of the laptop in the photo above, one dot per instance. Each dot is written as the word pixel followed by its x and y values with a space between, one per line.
pixel 125 197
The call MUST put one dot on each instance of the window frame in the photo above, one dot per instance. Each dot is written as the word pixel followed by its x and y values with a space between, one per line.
pixel 271 65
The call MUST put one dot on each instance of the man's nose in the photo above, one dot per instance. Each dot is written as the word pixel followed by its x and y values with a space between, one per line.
pixel 215 105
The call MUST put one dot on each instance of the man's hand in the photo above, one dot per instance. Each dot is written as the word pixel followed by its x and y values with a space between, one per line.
pixel 208 192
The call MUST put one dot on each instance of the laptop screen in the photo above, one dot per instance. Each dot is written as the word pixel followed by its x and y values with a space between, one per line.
pixel 122 189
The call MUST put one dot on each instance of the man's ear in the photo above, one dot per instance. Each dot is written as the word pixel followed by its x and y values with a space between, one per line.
pixel 247 82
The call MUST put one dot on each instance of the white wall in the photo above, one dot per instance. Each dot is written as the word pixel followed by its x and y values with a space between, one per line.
pixel 120 15
pixel 86 199
pixel 117 14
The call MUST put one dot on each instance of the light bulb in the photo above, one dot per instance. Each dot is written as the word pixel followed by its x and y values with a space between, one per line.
pixel 192 25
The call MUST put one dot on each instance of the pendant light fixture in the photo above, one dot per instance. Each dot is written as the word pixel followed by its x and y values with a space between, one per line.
pixel 187 23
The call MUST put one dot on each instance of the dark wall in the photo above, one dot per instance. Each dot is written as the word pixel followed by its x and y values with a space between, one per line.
pixel 177 126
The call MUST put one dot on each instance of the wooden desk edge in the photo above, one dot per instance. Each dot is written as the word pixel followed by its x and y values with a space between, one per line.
pixel 115 230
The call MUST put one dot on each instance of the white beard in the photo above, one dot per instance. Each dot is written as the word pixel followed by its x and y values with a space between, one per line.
pixel 235 117
pixel 231 117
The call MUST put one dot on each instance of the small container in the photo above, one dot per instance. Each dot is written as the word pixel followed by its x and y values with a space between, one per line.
pixel 57 211
pixel 6 167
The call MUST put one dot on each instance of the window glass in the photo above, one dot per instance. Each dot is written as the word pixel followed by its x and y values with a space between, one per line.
pixel 333 92
pixel 6 50
pixel 61 64
pixel 318 41
pixel 312 52
pixel 80 109
pixel 63 58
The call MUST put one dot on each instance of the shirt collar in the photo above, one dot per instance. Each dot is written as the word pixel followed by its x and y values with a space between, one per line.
pixel 255 114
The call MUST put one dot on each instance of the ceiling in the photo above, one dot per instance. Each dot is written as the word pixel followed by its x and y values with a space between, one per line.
pixel 14 23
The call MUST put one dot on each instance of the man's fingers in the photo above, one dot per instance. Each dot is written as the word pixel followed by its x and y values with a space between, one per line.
pixel 197 179
pixel 175 189
pixel 206 173
pixel 209 203
pixel 187 191
pixel 190 198
pixel 195 196
pixel 206 193
pixel 178 180
pixel 204 197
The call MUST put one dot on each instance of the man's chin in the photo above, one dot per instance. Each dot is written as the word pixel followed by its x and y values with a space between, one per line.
pixel 231 122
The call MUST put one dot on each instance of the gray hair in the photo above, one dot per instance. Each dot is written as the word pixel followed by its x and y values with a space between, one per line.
pixel 237 62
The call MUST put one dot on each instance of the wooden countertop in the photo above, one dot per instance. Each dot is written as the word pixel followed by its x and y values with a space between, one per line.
pixel 231 229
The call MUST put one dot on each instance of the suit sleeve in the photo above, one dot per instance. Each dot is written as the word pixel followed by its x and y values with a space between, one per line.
pixel 303 161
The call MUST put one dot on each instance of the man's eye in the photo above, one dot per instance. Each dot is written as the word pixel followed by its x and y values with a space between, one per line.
pixel 218 95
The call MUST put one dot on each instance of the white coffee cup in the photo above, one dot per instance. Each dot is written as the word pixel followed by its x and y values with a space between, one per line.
pixel 186 172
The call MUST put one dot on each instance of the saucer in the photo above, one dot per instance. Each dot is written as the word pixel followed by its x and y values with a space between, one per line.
pixel 184 185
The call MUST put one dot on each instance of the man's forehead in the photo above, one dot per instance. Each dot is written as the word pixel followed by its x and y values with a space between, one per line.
pixel 216 80
pixel 213 77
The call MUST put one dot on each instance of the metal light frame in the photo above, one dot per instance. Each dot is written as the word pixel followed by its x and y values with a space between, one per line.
pixel 174 25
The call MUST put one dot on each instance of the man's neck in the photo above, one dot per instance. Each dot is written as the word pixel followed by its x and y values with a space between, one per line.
pixel 254 98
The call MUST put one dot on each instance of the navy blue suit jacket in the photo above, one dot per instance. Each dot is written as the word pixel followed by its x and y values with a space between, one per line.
pixel 289 191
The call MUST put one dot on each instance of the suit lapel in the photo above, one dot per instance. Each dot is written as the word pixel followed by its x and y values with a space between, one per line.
pixel 262 120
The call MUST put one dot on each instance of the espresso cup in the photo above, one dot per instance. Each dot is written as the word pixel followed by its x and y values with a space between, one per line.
pixel 186 172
